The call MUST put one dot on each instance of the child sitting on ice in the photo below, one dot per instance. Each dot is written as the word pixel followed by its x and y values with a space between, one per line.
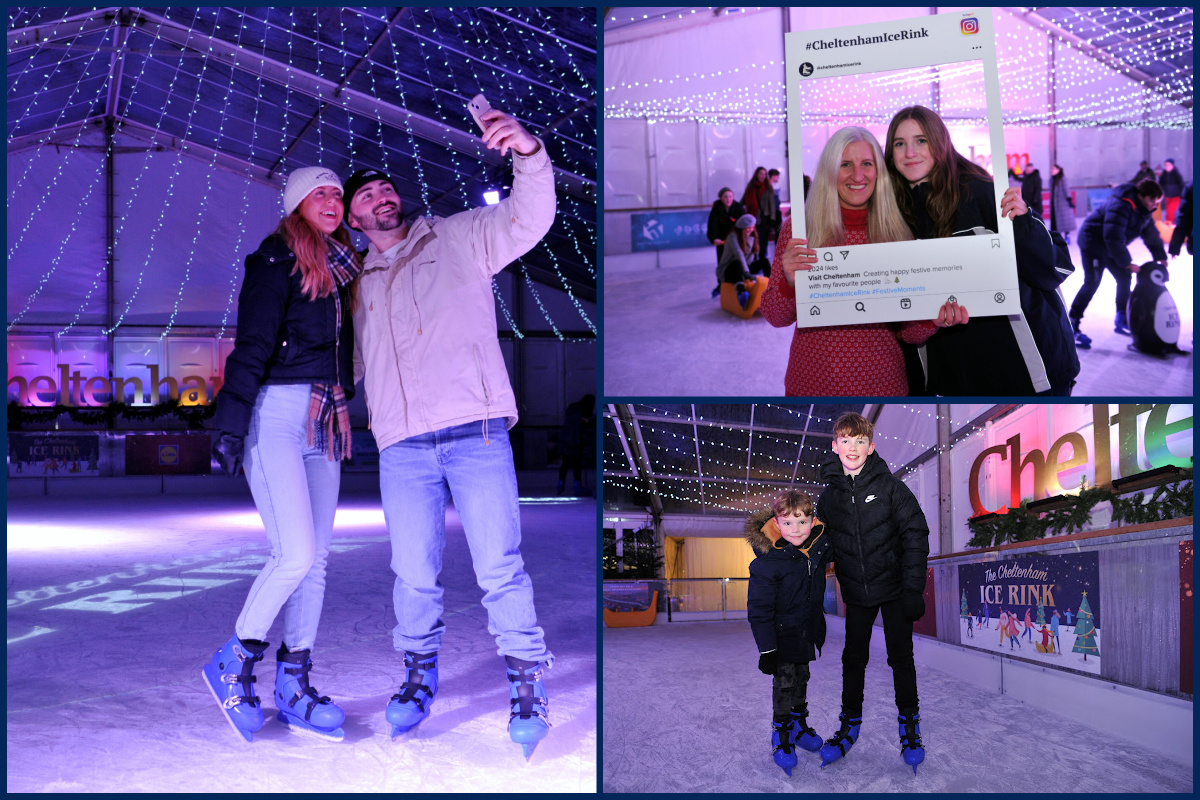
pixel 784 604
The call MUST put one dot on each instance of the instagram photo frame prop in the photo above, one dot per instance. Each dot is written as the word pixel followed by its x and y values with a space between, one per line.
pixel 911 60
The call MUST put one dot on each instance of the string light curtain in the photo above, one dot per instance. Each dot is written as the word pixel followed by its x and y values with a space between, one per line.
pixel 1095 49
pixel 197 96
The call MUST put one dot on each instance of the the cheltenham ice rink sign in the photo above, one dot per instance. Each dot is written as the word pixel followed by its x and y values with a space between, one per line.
pixel 1040 608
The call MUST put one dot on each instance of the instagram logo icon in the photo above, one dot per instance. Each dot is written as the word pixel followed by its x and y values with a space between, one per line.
pixel 969 26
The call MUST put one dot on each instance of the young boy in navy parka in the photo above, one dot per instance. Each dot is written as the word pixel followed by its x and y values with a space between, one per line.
pixel 880 550
pixel 784 604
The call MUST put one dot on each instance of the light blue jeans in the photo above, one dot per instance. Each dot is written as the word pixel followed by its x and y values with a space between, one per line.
pixel 417 476
pixel 295 488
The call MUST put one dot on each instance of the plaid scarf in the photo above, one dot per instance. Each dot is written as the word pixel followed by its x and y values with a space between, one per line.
pixel 328 417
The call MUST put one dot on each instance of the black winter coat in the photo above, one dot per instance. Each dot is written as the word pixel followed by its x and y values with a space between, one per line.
pixel 1107 231
pixel 786 596
pixel 1171 183
pixel 1031 190
pixel 1015 355
pixel 1183 223
pixel 721 220
pixel 880 537
pixel 282 336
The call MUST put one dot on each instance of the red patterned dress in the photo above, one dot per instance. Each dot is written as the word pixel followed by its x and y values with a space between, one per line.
pixel 840 360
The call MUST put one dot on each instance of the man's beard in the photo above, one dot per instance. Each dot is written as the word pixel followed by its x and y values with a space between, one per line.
pixel 370 222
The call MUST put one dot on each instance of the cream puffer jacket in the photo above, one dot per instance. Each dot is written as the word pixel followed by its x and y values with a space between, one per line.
pixel 425 341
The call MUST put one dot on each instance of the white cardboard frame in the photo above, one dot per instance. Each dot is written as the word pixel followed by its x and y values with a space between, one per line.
pixel 857 283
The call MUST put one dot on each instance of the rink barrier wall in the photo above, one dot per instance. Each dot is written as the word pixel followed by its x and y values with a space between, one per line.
pixel 1139 592
pixel 1156 721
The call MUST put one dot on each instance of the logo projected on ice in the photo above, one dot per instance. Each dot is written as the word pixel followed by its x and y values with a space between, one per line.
pixel 969 26
pixel 806 69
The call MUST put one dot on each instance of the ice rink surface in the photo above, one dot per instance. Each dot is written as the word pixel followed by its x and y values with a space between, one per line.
pixel 116 601
pixel 686 710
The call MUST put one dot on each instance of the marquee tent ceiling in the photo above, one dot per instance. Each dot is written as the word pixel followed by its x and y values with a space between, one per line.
pixel 1150 45
pixel 714 458
pixel 263 91
pixel 723 460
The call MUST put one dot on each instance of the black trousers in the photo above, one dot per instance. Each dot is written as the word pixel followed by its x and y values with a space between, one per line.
pixel 789 688
pixel 897 635
pixel 1093 270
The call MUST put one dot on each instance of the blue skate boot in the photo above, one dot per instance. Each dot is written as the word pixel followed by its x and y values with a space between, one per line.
pixel 782 747
pixel 842 741
pixel 411 704
pixel 805 737
pixel 300 708
pixel 911 748
pixel 230 678
pixel 529 719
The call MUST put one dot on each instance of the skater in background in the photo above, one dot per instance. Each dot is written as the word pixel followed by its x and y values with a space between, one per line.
pixel 1182 234
pixel 1172 185
pixel 1104 239
pixel 1054 631
pixel 282 416
pixel 784 604
pixel 1028 625
pixel 846 360
pixel 741 248
pixel 970 627
pixel 1044 647
pixel 987 616
pixel 880 552
pixel 1003 626
pixel 721 219
pixel 441 405
pixel 1031 188
pixel 940 194
pixel 579 423
pixel 1144 172
pixel 1062 207
pixel 1067 616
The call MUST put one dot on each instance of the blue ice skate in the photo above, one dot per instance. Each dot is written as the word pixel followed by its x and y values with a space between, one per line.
pixel 842 741
pixel 782 747
pixel 529 718
pixel 911 748
pixel 300 707
pixel 411 704
pixel 230 678
pixel 804 737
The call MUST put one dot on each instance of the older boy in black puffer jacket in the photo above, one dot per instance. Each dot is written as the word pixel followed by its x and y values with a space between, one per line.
pixel 880 550
pixel 784 604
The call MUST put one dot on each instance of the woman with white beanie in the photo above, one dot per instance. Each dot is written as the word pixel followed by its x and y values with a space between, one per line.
pixel 282 416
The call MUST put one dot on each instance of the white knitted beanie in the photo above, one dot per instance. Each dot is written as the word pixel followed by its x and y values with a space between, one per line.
pixel 303 181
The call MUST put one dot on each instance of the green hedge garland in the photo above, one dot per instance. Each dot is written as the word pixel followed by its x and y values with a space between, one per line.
pixel 1170 501
pixel 103 416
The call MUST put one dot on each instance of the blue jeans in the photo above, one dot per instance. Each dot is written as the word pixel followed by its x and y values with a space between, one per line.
pixel 417 476
pixel 295 488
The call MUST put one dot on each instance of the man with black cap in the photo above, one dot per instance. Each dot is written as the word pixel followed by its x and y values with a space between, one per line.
pixel 440 407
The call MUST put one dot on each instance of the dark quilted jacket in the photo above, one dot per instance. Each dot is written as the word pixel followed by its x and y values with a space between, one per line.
pixel 282 336
pixel 786 595
pixel 879 534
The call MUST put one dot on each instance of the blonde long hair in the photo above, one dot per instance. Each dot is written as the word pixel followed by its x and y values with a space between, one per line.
pixel 311 252
pixel 823 211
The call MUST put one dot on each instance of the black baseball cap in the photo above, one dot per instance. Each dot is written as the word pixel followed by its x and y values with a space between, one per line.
pixel 361 179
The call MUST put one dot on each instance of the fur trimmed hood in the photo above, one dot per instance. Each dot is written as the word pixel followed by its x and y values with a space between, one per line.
pixel 763 534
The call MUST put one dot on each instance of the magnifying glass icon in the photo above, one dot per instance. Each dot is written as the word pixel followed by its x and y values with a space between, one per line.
pixel 859 307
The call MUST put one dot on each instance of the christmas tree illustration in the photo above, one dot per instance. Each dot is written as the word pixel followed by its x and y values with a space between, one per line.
pixel 962 608
pixel 1085 631
pixel 1041 615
